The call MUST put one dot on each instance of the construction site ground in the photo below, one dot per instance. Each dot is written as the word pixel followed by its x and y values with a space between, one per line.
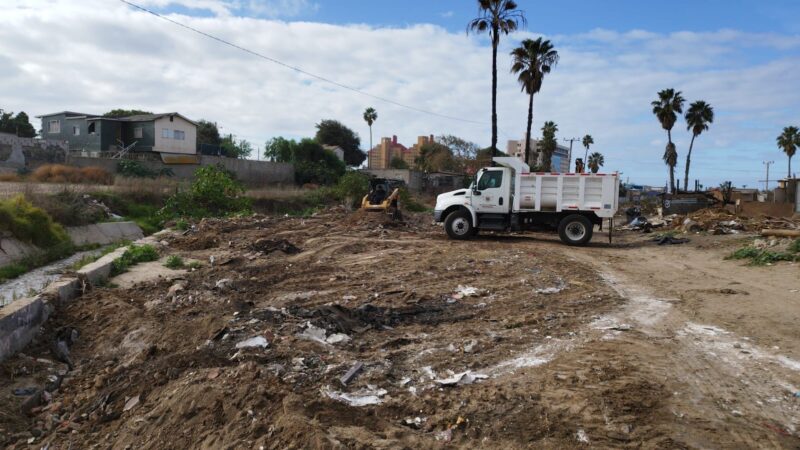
pixel 502 341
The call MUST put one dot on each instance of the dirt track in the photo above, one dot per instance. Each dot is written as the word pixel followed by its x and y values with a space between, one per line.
pixel 631 345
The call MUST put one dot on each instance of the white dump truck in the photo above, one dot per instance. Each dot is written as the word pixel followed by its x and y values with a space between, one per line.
pixel 508 197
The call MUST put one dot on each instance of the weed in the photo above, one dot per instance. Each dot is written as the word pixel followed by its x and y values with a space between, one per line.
pixel 794 247
pixel 194 265
pixel 213 193
pixel 181 225
pixel 762 257
pixel 30 224
pixel 174 262
pixel 409 203
pixel 135 254
pixel 12 271
pixel 54 253
pixel 88 259
pixel 59 173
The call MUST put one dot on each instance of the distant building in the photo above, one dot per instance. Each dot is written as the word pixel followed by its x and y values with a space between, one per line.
pixel 382 155
pixel 558 163
pixel 158 133
pixel 338 151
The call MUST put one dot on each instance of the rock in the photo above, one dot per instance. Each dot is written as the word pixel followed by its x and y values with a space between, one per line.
pixel 132 402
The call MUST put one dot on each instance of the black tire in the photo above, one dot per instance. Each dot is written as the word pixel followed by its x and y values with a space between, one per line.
pixel 575 230
pixel 458 225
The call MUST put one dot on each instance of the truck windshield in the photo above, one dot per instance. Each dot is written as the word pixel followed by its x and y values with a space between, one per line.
pixel 490 179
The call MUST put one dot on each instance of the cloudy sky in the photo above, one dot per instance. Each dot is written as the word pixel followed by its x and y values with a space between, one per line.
pixel 741 56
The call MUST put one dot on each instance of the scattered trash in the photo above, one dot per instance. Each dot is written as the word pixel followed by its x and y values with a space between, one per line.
pixel 269 245
pixel 363 397
pixel 621 327
pixel 352 373
pixel 461 379
pixel 24 392
pixel 414 422
pixel 581 436
pixel 317 334
pixel 470 346
pixel 131 403
pixel 467 291
pixel 223 284
pixel 669 240
pixel 446 435
pixel 550 290
pixel 257 341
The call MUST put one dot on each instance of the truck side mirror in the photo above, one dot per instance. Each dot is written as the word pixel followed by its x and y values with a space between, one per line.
pixel 475 191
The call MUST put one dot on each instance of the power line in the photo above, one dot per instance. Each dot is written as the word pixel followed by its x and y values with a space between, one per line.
pixel 297 69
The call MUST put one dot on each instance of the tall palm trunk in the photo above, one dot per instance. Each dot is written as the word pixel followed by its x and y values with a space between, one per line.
pixel 789 175
pixel 688 161
pixel 495 42
pixel 671 166
pixel 370 147
pixel 528 132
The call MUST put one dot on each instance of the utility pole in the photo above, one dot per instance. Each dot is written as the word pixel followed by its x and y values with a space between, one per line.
pixel 766 182
pixel 569 156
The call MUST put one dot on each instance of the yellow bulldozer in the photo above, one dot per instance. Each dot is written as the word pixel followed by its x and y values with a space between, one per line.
pixel 383 196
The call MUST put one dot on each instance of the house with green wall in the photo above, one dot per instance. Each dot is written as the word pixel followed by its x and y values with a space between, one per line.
pixel 167 133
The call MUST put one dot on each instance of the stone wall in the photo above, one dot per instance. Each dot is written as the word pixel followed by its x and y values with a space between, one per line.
pixel 18 152
pixel 252 173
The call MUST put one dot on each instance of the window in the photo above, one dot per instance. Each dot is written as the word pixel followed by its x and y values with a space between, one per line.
pixel 490 179
pixel 92 127
pixel 54 126
pixel 180 135
pixel 137 133
pixel 76 131
pixel 166 133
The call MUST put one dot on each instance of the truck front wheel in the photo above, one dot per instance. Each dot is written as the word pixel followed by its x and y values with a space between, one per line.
pixel 575 230
pixel 458 225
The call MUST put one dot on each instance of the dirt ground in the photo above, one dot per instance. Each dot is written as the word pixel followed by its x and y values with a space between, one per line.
pixel 512 341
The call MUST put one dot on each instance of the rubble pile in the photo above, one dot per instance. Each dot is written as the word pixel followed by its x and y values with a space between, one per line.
pixel 322 331
pixel 720 221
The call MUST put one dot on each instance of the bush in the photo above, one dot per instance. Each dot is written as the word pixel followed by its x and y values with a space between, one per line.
pixel 409 203
pixel 174 262
pixel 762 257
pixel 59 173
pixel 213 193
pixel 135 254
pixel 135 169
pixel 9 177
pixel 30 224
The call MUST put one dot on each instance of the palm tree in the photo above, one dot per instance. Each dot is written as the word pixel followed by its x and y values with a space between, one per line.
pixel 587 141
pixel 532 60
pixel 666 109
pixel 370 116
pixel 699 115
pixel 596 161
pixel 548 144
pixel 788 141
pixel 496 17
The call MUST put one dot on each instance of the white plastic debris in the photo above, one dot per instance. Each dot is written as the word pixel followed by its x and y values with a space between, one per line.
pixel 362 397
pixel 257 341
pixel 466 291
pixel 550 290
pixel 317 334
pixel 582 437
pixel 462 378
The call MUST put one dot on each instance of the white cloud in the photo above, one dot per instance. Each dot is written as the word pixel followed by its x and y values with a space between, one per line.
pixel 55 55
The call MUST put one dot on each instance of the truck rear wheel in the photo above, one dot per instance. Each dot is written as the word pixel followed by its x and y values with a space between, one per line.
pixel 458 225
pixel 575 230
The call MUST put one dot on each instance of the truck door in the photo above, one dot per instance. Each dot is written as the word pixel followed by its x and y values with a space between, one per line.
pixel 492 191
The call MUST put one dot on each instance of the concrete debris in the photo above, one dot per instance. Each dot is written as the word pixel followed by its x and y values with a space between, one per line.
pixel 467 291
pixel 462 378
pixel 362 397
pixel 352 373
pixel 549 290
pixel 414 422
pixel 132 402
pixel 223 284
pixel 257 341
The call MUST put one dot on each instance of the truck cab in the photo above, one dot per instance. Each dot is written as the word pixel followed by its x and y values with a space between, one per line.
pixel 508 197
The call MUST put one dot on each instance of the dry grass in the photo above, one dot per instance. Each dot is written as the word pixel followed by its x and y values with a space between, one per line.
pixel 10 177
pixel 59 173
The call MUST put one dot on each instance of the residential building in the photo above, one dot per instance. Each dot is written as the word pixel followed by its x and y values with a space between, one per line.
pixel 382 155
pixel 559 162
pixel 167 133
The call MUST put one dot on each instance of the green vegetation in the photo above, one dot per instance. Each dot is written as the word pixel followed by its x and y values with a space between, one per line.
pixel 313 164
pixel 666 109
pixel 12 271
pixel 235 148
pixel 135 254
pixel 596 160
pixel 30 224
pixel 398 163
pixel 332 132
pixel 19 125
pixel 788 141
pixel 762 257
pixel 194 265
pixel 144 211
pixel 135 169
pixel 118 113
pixel 409 203
pixel 370 116
pixel 699 115
pixel 181 225
pixel 213 193
pixel 174 262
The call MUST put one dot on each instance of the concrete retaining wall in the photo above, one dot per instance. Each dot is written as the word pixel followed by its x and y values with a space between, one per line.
pixel 100 233
pixel 253 173
pixel 18 152
pixel 21 320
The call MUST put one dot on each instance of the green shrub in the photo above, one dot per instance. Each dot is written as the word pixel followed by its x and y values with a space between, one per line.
pixel 174 262
pixel 135 169
pixel 762 257
pixel 181 225
pixel 194 265
pixel 794 247
pixel 30 224
pixel 409 203
pixel 135 254
pixel 213 193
